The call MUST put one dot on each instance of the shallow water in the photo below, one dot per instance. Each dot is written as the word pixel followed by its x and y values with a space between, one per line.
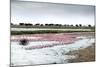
pixel 56 54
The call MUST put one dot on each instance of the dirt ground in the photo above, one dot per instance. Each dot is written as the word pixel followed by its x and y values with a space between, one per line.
pixel 83 55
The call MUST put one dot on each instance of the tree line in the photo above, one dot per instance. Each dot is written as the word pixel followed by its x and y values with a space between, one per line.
pixel 50 25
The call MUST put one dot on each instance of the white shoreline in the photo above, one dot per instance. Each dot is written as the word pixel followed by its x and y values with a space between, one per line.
pixel 20 56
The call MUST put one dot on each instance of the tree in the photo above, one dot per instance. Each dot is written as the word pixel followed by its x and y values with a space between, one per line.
pixel 46 24
pixel 76 25
pixel 80 25
pixel 67 25
pixel 37 24
pixel 28 24
pixel 71 25
pixel 64 25
pixel 41 24
pixel 50 24
pixel 56 24
pixel 21 24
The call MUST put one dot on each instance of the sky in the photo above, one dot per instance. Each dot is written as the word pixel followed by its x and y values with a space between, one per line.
pixel 24 11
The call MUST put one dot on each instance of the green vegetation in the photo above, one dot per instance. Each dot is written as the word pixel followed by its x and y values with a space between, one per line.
pixel 29 25
pixel 53 28
pixel 45 31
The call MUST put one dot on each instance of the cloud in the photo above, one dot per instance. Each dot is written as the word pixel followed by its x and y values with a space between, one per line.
pixel 34 12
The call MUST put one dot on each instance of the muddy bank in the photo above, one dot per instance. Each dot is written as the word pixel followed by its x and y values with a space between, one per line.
pixel 83 55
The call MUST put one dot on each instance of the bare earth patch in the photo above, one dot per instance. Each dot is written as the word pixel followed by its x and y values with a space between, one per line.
pixel 83 55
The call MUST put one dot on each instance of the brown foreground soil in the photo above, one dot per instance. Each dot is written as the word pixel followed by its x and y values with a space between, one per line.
pixel 83 55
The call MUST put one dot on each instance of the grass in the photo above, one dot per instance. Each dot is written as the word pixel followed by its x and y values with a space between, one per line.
pixel 45 31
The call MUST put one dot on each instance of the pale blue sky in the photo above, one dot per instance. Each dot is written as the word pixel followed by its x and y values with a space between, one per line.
pixel 36 12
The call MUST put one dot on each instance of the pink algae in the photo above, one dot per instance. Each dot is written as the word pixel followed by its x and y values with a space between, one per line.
pixel 63 38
